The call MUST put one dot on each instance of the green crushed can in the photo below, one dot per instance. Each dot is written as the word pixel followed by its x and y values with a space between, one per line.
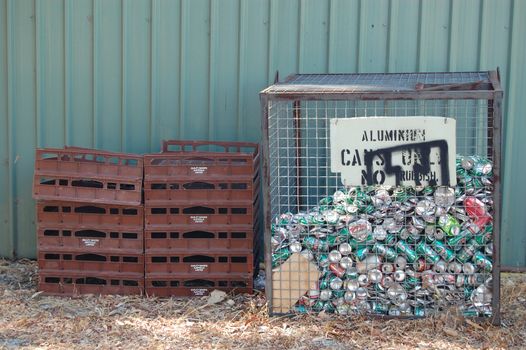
pixel 315 244
pixel 318 306
pixel 403 248
pixel 419 311
pixel 361 253
pixel 466 253
pixel 329 308
pixel 380 308
pixel 326 201
pixel 338 293
pixel 323 260
pixel 482 167
pixel 427 252
pixel 300 309
pixel 390 239
pixel 387 252
pixel 340 209
pixel 449 224
pixel 456 242
pixel 442 250
pixel 280 256
pixel 482 261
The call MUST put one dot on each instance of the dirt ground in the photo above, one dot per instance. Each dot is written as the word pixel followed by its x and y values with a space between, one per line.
pixel 31 320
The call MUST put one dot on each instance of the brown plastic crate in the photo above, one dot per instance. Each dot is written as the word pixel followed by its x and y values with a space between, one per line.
pixel 208 191
pixel 170 213
pixel 200 262
pixel 89 215
pixel 70 283
pixel 195 159
pixel 92 176
pixel 80 260
pixel 163 285
pixel 81 189
pixel 75 161
pixel 216 237
pixel 90 240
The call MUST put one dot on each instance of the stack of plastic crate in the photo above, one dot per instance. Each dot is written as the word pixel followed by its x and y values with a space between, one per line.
pixel 89 221
pixel 201 209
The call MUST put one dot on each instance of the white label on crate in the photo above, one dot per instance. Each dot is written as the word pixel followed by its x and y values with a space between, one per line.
pixel 90 242
pixel 394 151
pixel 199 169
pixel 199 219
pixel 199 268
pixel 199 291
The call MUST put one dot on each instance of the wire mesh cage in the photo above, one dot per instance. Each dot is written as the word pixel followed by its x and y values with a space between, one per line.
pixel 370 248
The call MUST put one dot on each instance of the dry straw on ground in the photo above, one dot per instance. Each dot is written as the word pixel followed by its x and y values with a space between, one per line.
pixel 29 319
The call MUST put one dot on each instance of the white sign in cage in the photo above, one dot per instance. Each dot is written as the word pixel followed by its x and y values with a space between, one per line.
pixel 382 193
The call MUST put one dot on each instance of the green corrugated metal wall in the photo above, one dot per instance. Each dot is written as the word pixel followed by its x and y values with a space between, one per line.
pixel 124 74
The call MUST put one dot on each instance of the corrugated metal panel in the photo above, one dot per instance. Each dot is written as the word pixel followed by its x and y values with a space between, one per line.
pixel 122 75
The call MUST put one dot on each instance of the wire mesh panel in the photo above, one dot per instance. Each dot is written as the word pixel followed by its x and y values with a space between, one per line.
pixel 371 248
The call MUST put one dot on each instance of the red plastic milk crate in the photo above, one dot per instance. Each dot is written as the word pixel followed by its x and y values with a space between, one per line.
pixel 199 262
pixel 71 283
pixel 202 160
pixel 94 262
pixel 210 238
pixel 164 285
pixel 90 239
pixel 171 213
pixel 90 215
pixel 90 176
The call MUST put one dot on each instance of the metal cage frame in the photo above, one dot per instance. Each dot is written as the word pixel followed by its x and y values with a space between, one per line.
pixel 489 89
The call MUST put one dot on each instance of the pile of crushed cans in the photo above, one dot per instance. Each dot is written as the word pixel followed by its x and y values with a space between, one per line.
pixel 397 250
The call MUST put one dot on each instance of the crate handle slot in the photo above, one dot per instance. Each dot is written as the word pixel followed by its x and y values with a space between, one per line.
pixel 130 162
pixel 90 234
pixel 51 233
pixel 90 257
pixel 52 256
pixel 158 186
pixel 239 235
pixel 159 259
pixel 239 186
pixel 198 259
pixel 238 211
pixel 198 210
pixel 198 234
pixel 127 187
pixel 87 183
pixel 49 156
pixel 199 283
pixel 130 211
pixel 50 209
pixel 198 185
pixel 47 181
pixel 52 280
pixel 200 159
pixel 90 209
pixel 91 280
pixel 130 259
pixel 159 235
pixel 239 284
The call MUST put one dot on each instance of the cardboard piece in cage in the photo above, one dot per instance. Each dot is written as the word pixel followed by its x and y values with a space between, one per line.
pixel 291 281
